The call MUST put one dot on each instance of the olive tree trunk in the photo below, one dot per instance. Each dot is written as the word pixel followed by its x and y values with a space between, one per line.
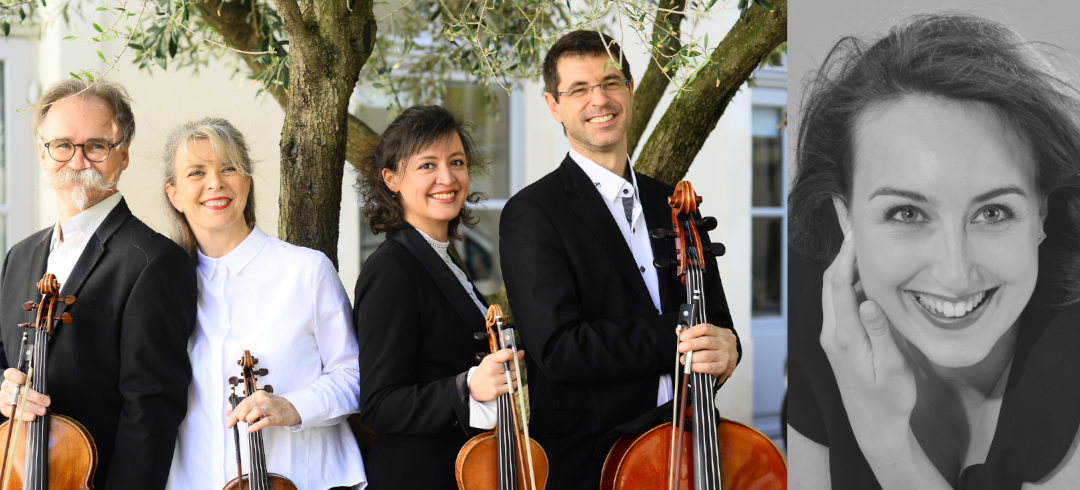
pixel 650 89
pixel 681 132
pixel 328 45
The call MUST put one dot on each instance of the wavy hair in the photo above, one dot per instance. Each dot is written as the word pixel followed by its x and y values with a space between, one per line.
pixel 416 128
pixel 954 57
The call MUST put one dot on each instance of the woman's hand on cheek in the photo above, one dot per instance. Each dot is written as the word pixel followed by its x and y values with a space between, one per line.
pixel 875 381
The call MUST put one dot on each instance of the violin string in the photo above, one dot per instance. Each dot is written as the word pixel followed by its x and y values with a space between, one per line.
pixel 712 426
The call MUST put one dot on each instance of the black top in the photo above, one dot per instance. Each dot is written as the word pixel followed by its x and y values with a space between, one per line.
pixel 595 344
pixel 121 367
pixel 415 325
pixel 1040 411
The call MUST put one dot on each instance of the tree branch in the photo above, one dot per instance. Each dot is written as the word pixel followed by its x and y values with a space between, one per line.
pixel 293 20
pixel 690 119
pixel 650 89
pixel 242 35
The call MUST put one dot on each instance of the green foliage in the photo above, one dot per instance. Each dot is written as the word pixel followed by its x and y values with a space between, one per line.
pixel 421 45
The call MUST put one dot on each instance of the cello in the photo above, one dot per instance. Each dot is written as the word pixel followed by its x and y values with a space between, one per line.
pixel 258 478
pixel 54 451
pixel 502 459
pixel 722 454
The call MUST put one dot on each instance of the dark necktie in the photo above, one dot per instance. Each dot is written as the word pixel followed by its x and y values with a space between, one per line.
pixel 628 206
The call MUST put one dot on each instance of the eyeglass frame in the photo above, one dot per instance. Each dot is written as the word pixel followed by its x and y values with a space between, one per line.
pixel 625 81
pixel 83 145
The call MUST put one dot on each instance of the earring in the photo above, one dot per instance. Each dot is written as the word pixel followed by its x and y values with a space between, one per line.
pixel 1042 236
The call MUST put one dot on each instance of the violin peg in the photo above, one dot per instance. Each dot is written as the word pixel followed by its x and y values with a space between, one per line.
pixel 479 335
pixel 480 356
pixel 29 305
pixel 26 325
pixel 268 389
pixel 70 300
pixel 707 223
pixel 233 380
pixel 717 249
pixel 662 262
pixel 661 234
pixel 262 372
pixel 65 318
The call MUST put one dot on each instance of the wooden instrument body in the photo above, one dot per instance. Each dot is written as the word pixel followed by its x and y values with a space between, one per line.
pixel 276 481
pixel 478 464
pixel 748 460
pixel 70 447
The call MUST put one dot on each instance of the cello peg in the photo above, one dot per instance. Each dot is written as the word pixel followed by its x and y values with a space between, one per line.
pixel 479 335
pixel 662 262
pixel 268 389
pixel 262 372
pixel 65 318
pixel 70 300
pixel 717 249
pixel 29 305
pixel 707 223
pixel 661 234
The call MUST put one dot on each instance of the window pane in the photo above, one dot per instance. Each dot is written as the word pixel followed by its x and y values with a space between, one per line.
pixel 490 133
pixel 765 266
pixel 768 180
pixel 479 251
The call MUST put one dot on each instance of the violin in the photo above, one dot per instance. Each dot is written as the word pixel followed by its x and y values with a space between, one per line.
pixel 259 478
pixel 722 454
pixel 53 451
pixel 502 459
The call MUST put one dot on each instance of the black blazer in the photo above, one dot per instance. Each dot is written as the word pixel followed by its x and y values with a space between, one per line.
pixel 121 367
pixel 595 346
pixel 415 325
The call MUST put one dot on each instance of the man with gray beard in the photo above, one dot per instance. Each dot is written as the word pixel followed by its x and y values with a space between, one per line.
pixel 121 367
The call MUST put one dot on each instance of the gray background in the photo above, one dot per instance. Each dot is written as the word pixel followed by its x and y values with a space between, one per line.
pixel 814 26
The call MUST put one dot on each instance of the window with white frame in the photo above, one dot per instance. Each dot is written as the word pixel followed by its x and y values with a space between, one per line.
pixel 16 159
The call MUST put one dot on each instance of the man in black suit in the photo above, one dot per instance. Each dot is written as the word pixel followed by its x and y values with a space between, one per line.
pixel 597 317
pixel 121 367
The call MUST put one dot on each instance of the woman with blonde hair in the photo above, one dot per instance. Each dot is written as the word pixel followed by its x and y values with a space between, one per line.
pixel 283 303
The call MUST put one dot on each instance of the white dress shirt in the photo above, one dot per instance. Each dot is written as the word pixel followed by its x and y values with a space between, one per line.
pixel 613 188
pixel 286 305
pixel 482 415
pixel 77 230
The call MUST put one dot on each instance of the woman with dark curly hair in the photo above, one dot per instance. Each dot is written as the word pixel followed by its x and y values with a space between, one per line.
pixel 939 174
pixel 416 312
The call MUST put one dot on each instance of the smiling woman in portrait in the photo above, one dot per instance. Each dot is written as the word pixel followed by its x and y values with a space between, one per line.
pixel 938 179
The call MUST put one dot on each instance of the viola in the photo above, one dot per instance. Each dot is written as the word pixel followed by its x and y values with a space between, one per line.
pixel 53 451
pixel 503 459
pixel 722 454
pixel 258 478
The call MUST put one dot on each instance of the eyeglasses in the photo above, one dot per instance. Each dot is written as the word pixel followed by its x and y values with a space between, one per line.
pixel 609 87
pixel 95 150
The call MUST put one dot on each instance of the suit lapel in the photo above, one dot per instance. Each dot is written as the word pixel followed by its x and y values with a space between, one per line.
pixel 95 247
pixel 657 215
pixel 596 217
pixel 446 280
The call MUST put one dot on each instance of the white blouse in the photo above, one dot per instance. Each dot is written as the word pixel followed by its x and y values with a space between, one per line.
pixel 286 305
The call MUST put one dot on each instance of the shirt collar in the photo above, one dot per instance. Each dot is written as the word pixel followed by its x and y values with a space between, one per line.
pixel 609 184
pixel 87 221
pixel 238 258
